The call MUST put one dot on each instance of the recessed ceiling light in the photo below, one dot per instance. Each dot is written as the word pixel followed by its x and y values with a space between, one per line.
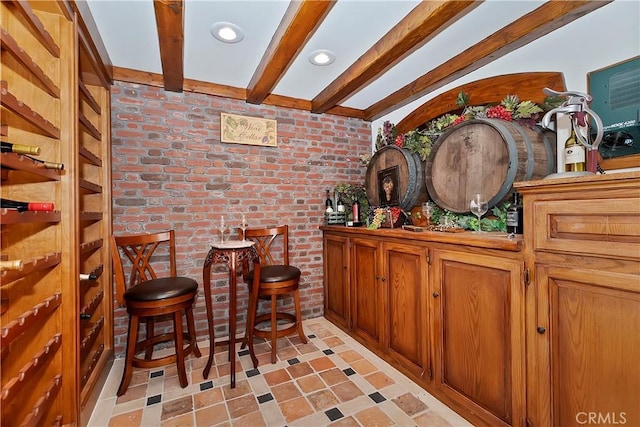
pixel 227 32
pixel 322 57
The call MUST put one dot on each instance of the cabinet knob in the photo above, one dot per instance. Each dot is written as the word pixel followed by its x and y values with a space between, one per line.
pixel 377 277
pixel 436 295
pixel 383 279
pixel 541 330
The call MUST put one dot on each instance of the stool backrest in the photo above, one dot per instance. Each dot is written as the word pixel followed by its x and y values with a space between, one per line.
pixel 140 250
pixel 272 244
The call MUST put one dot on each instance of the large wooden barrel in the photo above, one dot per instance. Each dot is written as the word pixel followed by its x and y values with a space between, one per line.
pixel 486 156
pixel 406 171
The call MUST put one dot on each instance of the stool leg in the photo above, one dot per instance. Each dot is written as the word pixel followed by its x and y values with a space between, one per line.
pixel 245 339
pixel 251 321
pixel 131 351
pixel 274 328
pixel 296 300
pixel 177 331
pixel 148 352
pixel 191 328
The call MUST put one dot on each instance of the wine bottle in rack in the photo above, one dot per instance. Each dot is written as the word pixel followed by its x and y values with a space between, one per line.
pixel 47 165
pixel 90 276
pixel 328 204
pixel 85 316
pixel 8 147
pixel 25 206
pixel 14 264
pixel 340 204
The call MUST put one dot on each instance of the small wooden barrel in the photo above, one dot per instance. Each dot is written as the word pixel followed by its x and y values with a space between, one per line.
pixel 486 156
pixel 406 170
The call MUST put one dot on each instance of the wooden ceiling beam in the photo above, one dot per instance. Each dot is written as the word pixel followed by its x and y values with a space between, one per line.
pixel 421 25
pixel 299 23
pixel 170 23
pixel 541 21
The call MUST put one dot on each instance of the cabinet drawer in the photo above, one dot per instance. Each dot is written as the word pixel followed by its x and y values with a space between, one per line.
pixel 606 227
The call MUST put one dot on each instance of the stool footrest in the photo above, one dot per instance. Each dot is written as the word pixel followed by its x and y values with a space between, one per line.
pixel 266 333
pixel 139 362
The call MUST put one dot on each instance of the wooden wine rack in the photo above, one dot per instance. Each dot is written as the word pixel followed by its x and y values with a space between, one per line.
pixel 54 94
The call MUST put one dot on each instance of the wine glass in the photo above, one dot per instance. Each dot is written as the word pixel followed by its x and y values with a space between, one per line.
pixel 243 227
pixel 222 227
pixel 479 206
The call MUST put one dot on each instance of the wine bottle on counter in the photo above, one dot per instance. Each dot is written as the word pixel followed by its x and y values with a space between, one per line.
pixel 574 154
pixel 90 276
pixel 7 147
pixel 14 264
pixel 328 204
pixel 340 204
pixel 25 206
pixel 355 210
pixel 47 165
pixel 514 216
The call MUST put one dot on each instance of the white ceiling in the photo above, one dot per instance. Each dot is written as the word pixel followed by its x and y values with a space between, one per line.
pixel 128 29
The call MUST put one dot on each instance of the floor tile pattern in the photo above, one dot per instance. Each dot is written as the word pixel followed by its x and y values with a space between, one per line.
pixel 331 380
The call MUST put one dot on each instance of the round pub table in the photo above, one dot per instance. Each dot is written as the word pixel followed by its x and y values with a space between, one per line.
pixel 232 253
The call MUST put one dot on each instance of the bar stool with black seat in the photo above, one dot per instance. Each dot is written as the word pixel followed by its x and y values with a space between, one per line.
pixel 277 278
pixel 148 298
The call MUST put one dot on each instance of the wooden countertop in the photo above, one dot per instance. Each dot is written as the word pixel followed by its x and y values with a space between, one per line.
pixel 560 184
pixel 488 240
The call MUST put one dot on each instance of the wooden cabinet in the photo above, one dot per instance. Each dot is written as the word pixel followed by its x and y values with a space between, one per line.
pixel 375 291
pixel 51 360
pixel 366 293
pixel 449 316
pixel 583 308
pixel 405 306
pixel 336 280
pixel 478 312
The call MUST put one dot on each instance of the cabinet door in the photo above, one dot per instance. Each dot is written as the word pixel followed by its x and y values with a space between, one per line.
pixel 366 291
pixel 336 279
pixel 406 308
pixel 587 339
pixel 478 329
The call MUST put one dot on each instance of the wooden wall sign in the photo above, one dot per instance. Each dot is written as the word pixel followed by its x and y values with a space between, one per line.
pixel 248 130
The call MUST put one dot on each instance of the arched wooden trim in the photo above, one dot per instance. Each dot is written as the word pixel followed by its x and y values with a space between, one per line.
pixel 528 86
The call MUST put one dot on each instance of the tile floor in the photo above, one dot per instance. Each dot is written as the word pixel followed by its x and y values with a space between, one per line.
pixel 331 380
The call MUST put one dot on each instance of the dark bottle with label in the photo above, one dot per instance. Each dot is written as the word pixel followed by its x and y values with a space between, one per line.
pixel 25 206
pixel 514 216
pixel 328 204
pixel 8 147
pixel 340 204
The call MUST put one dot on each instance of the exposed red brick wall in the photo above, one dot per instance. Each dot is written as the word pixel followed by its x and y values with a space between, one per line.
pixel 170 170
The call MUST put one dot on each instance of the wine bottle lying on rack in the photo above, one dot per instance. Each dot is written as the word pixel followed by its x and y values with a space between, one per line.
pixel 47 165
pixel 14 264
pixel 90 276
pixel 7 147
pixel 25 206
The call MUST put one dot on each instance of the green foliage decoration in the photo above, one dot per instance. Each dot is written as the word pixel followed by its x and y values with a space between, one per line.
pixel 350 193
pixel 495 220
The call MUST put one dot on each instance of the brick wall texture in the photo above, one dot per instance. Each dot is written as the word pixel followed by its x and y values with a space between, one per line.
pixel 170 171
